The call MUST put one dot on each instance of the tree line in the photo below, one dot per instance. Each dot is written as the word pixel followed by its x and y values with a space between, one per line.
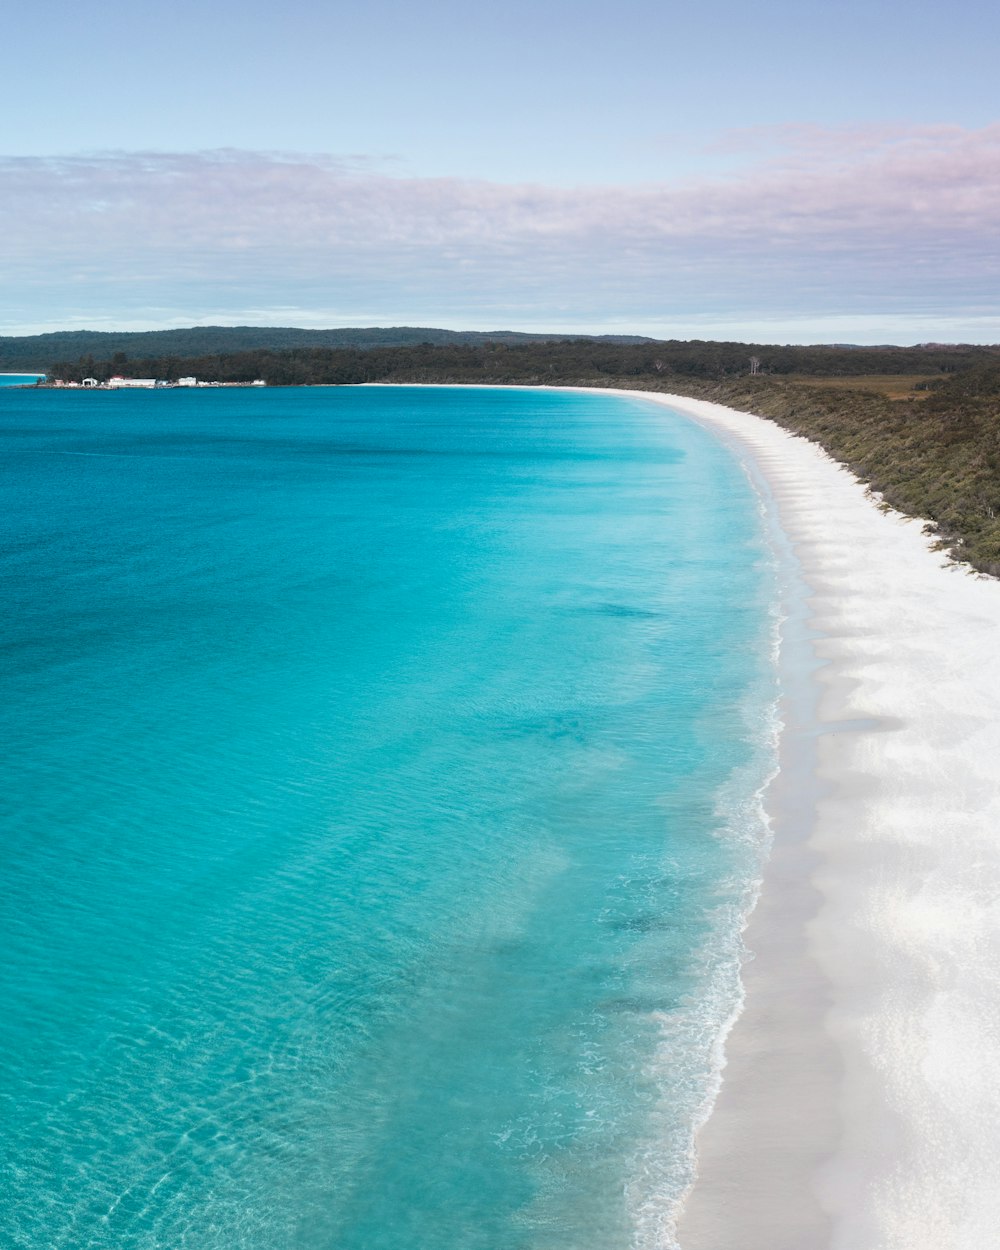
pixel 563 361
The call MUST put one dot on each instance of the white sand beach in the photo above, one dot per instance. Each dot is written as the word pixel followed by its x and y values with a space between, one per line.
pixel 860 1107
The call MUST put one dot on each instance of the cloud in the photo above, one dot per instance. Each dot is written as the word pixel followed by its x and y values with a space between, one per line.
pixel 824 222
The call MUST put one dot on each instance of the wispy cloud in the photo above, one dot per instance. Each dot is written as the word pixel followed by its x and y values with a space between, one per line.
pixel 820 222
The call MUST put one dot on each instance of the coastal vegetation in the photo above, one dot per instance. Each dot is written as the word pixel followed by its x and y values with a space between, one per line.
pixel 920 425
pixel 497 360
pixel 933 454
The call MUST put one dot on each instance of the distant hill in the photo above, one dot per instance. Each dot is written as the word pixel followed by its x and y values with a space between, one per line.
pixel 37 352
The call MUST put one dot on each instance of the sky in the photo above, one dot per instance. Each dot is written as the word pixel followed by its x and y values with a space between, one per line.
pixel 779 173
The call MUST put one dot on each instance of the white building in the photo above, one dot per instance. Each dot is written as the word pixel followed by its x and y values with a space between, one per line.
pixel 187 381
pixel 117 383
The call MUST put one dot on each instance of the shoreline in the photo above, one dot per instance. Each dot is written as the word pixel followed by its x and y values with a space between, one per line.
pixel 860 1101
pixel 859 1106
pixel 758 1148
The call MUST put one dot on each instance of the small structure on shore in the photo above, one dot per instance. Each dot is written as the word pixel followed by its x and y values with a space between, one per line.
pixel 118 383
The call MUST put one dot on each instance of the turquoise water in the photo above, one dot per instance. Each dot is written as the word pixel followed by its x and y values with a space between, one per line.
pixel 19 379
pixel 380 804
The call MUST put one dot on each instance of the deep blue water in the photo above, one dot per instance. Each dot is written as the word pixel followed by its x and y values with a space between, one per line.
pixel 378 797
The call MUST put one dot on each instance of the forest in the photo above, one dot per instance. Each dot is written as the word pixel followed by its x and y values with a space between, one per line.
pixel 498 361
pixel 34 353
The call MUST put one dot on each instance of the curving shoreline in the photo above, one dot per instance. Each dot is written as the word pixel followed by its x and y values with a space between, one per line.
pixel 860 1100
pixel 860 1105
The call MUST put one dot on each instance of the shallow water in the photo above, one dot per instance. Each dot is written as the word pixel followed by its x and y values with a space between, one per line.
pixel 381 808
pixel 19 379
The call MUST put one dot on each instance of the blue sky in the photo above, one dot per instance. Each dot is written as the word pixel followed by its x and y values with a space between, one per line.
pixel 792 172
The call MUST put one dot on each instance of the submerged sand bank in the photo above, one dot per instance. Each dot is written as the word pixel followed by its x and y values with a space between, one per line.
pixel 860 1107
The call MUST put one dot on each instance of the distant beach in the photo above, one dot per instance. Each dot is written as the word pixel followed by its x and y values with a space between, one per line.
pixel 861 1099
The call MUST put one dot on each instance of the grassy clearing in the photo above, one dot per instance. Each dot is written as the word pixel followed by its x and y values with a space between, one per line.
pixel 889 385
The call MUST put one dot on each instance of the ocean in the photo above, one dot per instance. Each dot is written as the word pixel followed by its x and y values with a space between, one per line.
pixel 382 804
